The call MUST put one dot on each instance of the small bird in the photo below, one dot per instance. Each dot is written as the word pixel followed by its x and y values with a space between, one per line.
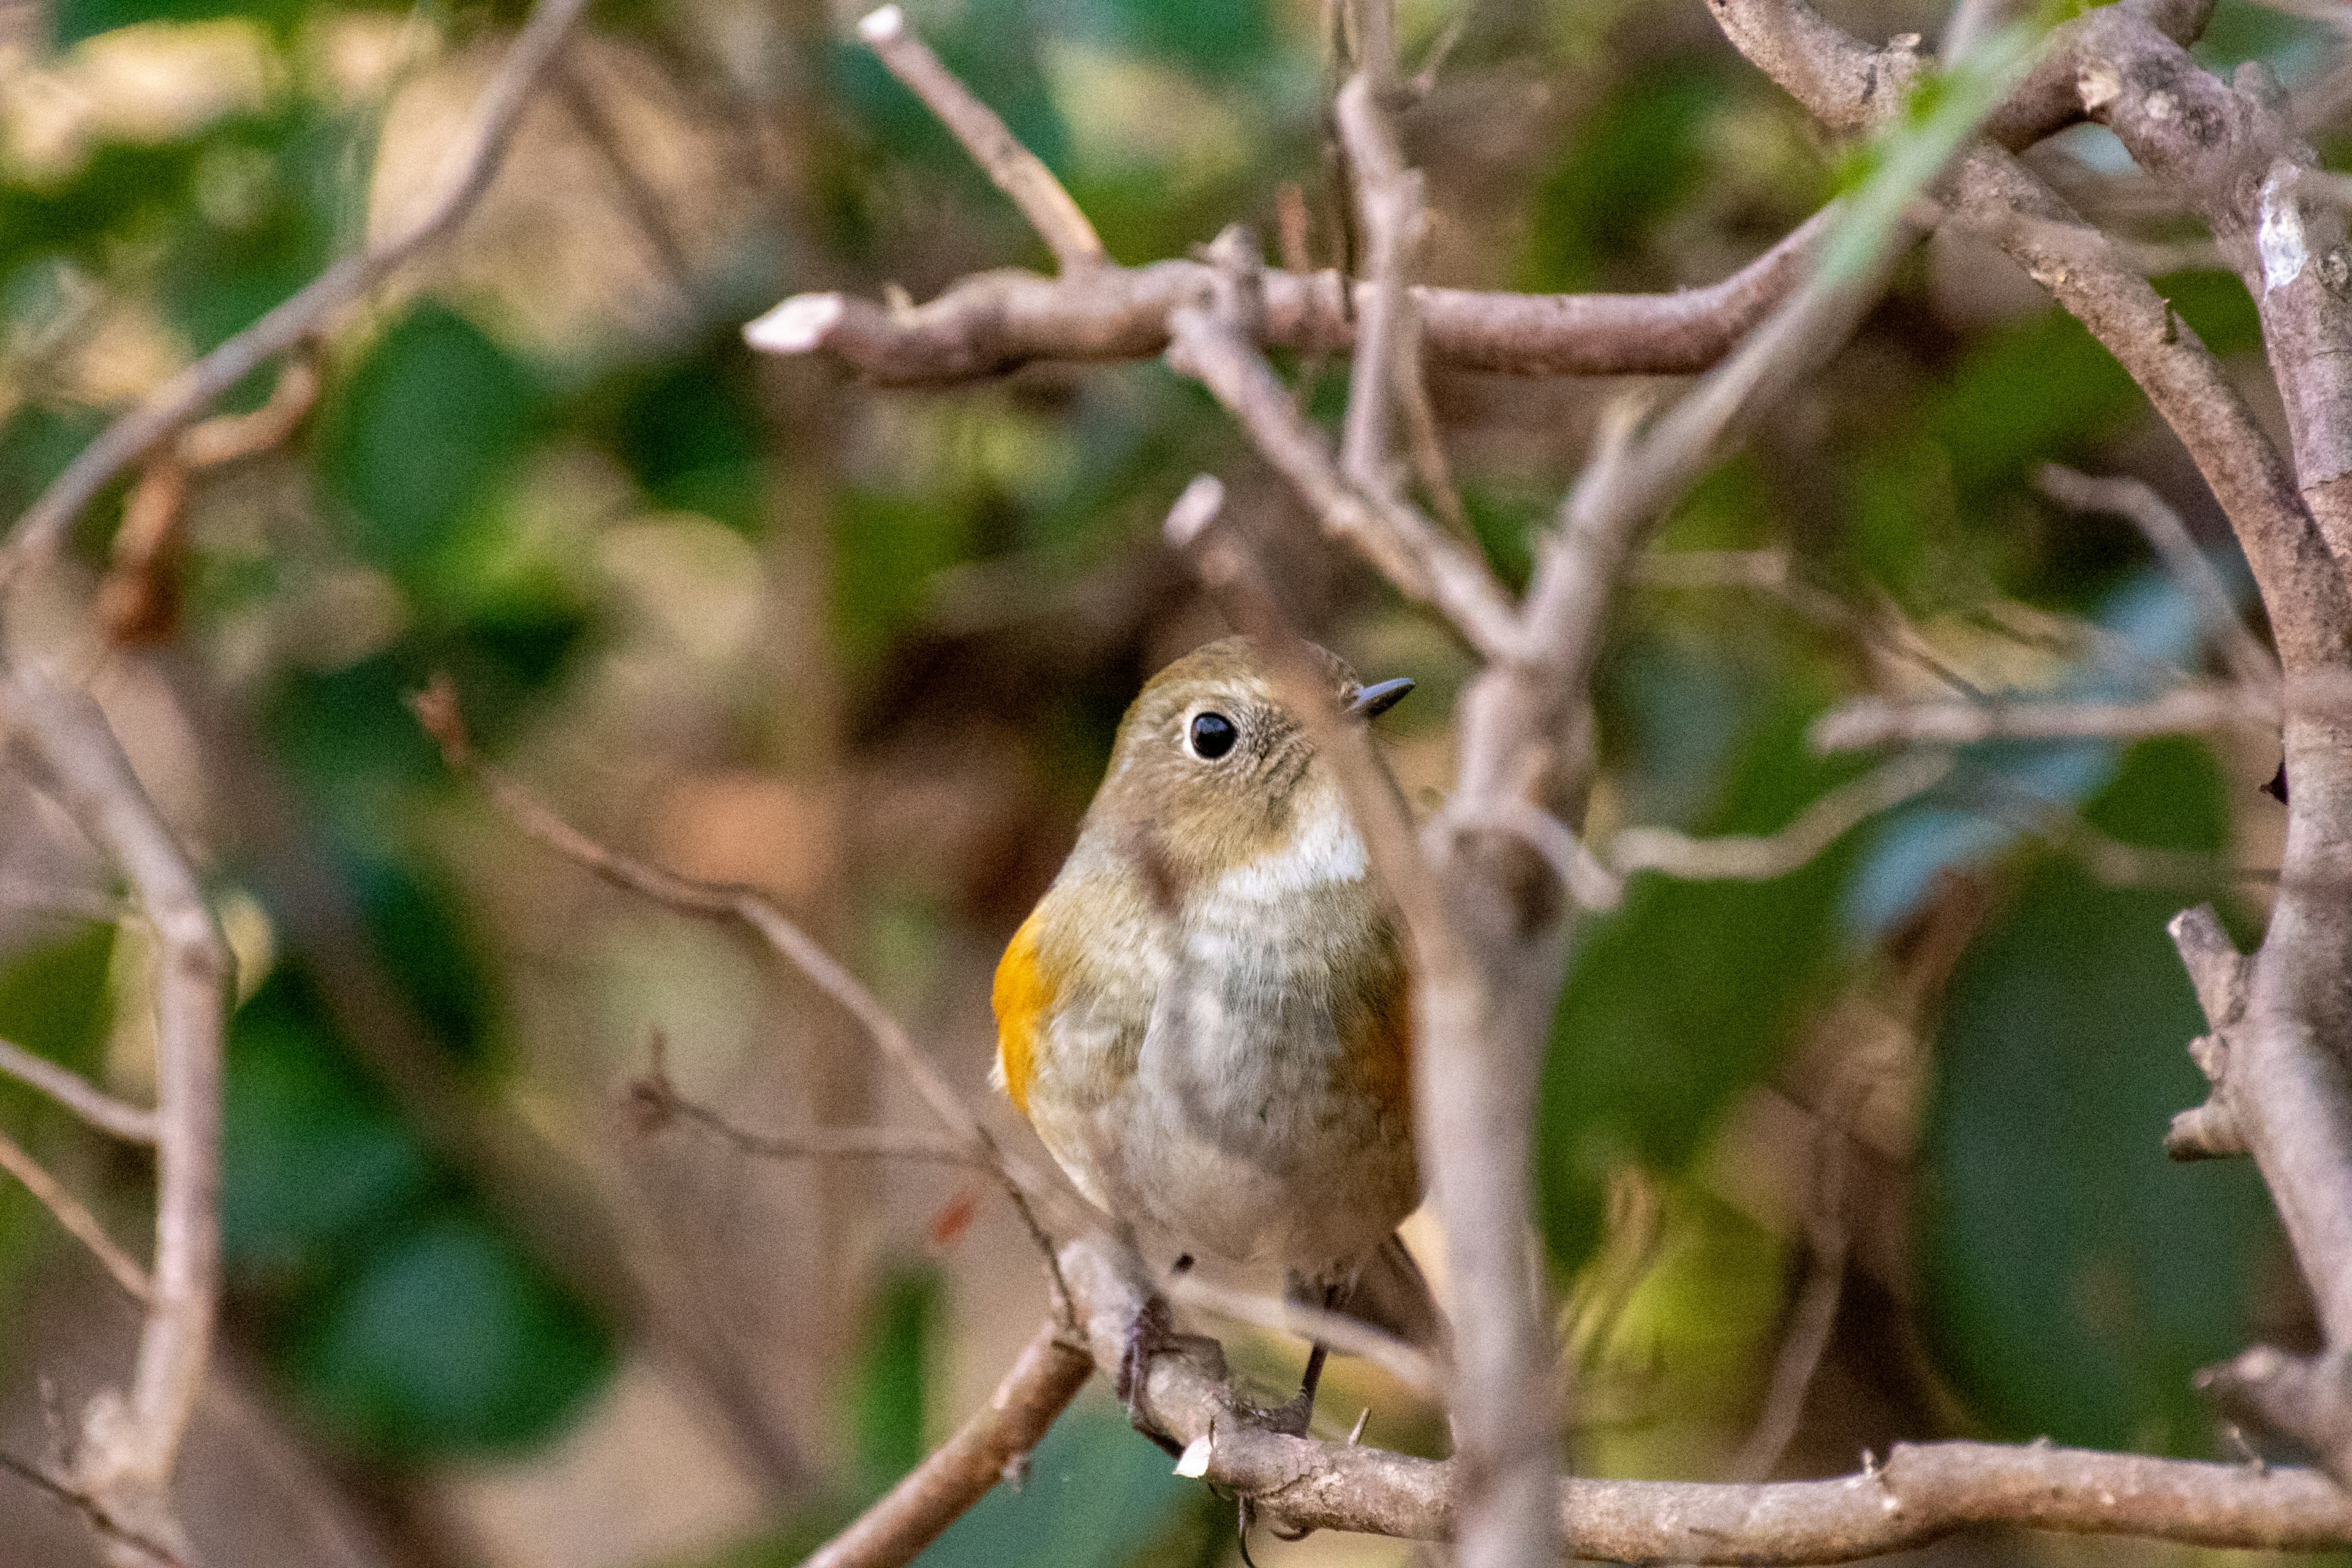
pixel 1206 1018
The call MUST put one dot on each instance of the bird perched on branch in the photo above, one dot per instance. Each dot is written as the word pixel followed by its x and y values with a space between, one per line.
pixel 1206 1017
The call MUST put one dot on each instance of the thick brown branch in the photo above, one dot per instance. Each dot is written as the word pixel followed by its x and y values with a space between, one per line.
pixel 996 321
pixel 1921 1493
pixel 992 1446
pixel 42 528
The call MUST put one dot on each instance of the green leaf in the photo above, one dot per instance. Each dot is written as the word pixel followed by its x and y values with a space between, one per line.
pixel 446 1341
pixel 313 1154
pixel 425 426
pixel 892 1377
pixel 1685 995
pixel 2076 1278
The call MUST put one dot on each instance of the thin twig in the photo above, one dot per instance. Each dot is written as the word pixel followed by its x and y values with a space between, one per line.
pixel 437 711
pixel 1020 174
pixel 654 1101
pixel 2251 663
pixel 77 1220
pixel 96 1517
pixel 1814 1315
pixel 1423 562
pixel 1757 858
pixel 77 1094
pixel 1869 721
pixel 42 530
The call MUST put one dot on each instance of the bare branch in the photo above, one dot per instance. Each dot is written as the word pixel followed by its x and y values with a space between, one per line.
pixel 996 321
pixel 77 1220
pixel 654 1101
pixel 1922 1492
pixel 42 530
pixel 1815 1313
pixel 992 1446
pixel 437 711
pixel 1869 721
pixel 131 1441
pixel 1020 174
pixel 1761 859
pixel 2250 662
pixel 1388 205
pixel 79 1095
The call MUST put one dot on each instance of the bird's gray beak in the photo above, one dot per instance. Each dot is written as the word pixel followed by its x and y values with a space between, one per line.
pixel 1372 701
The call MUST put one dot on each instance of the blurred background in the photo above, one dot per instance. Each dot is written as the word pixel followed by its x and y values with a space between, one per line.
pixel 866 650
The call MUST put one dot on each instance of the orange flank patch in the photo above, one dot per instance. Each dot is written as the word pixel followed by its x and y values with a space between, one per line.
pixel 1379 1047
pixel 1024 995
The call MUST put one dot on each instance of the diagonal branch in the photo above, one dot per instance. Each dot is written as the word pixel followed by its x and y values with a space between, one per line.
pixel 992 1446
pixel 79 1095
pixel 1020 174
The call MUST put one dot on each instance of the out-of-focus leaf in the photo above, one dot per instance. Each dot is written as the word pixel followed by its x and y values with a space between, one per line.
pixel 1215 37
pixel 1684 994
pixel 886 549
pixel 53 997
pixel 888 1393
pixel 312 1155
pixel 2076 1277
pixel 2217 307
pixel 1674 1384
pixel 1630 163
pixel 445 1340
pixel 74 20
pixel 421 430
pixel 689 435
pixel 1097 1496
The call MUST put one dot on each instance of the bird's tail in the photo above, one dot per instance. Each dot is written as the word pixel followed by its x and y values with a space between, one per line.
pixel 1392 1294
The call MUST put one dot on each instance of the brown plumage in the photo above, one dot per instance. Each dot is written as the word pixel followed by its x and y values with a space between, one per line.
pixel 1206 1018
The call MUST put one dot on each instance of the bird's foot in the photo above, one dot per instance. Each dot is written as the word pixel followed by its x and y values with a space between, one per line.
pixel 1151 1332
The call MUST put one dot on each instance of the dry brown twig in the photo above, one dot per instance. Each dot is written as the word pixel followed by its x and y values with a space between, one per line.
pixel 138 599
pixel 1020 174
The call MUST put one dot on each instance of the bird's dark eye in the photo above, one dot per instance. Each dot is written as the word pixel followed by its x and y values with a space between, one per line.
pixel 1214 735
